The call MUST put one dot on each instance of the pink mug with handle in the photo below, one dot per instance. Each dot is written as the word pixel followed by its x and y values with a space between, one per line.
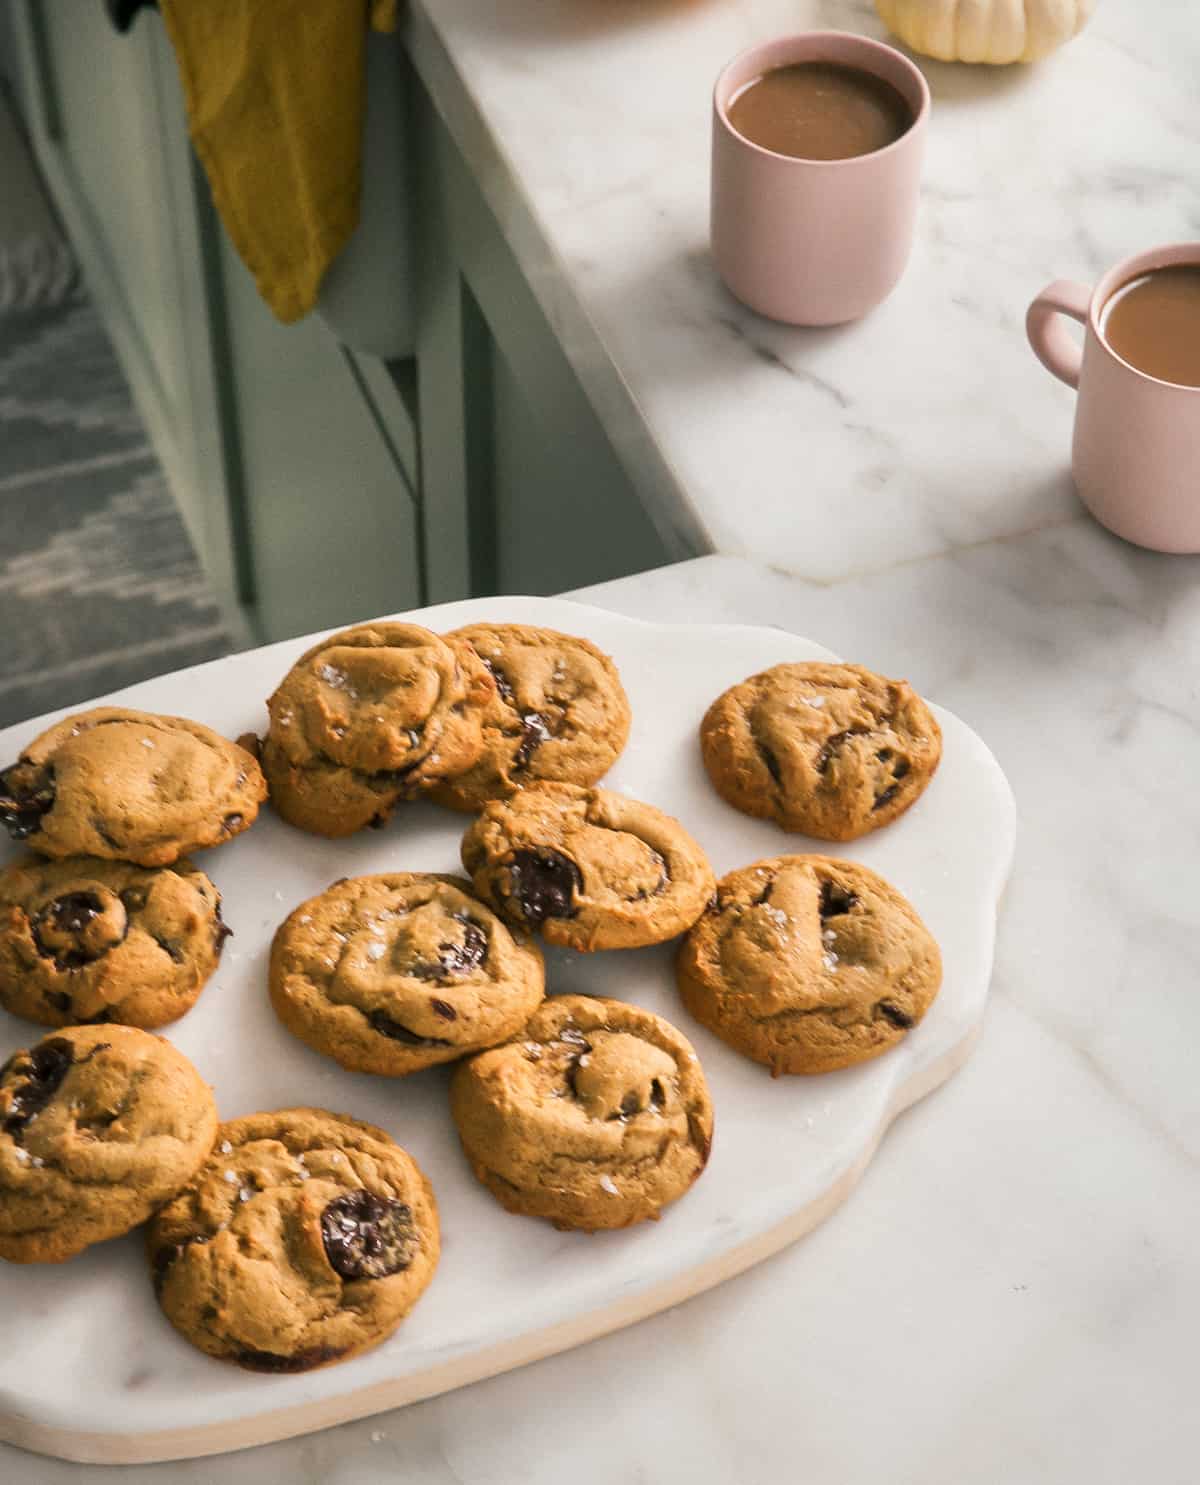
pixel 1136 454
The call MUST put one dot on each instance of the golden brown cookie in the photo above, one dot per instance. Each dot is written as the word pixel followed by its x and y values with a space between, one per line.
pixel 832 751
pixel 808 964
pixel 597 1115
pixel 99 1125
pixel 84 940
pixel 559 712
pixel 129 786
pixel 305 1239
pixel 367 718
pixel 390 974
pixel 588 868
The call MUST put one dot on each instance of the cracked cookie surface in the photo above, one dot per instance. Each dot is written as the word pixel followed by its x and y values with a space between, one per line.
pixel 305 1238
pixel 129 786
pixel 559 713
pixel 587 868
pixel 596 1116
pixel 807 964
pixel 831 751
pixel 85 940
pixel 390 974
pixel 99 1126
pixel 367 718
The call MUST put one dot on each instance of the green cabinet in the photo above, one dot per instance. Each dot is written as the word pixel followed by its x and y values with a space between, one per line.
pixel 421 437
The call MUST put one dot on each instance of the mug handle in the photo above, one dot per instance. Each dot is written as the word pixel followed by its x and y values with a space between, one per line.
pixel 1053 347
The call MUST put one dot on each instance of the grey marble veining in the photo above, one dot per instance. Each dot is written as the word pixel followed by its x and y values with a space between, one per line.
pixel 926 427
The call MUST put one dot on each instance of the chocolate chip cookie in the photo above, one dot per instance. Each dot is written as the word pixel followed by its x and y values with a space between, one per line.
pixel 99 1125
pixel 559 712
pixel 808 964
pixel 305 1239
pixel 85 940
pixel 597 1115
pixel 390 974
pixel 369 717
pixel 129 786
pixel 832 751
pixel 588 868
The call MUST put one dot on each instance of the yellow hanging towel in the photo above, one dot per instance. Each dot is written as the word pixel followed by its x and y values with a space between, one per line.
pixel 274 93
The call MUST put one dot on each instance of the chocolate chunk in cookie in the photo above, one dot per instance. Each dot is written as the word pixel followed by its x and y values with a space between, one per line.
pixel 390 974
pixel 596 1115
pixel 369 717
pixel 85 940
pixel 98 1127
pixel 559 713
pixel 832 751
pixel 808 964
pixel 306 1238
pixel 132 786
pixel 588 868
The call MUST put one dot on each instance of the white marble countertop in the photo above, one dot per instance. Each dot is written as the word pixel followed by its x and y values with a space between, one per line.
pixel 1012 1292
pixel 924 428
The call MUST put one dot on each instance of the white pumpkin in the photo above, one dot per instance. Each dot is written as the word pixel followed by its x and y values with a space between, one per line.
pixel 997 31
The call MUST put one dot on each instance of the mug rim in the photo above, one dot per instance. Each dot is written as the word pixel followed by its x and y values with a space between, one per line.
pixel 870 48
pixel 1167 255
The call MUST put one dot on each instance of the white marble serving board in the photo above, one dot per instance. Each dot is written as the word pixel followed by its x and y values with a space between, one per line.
pixel 100 1375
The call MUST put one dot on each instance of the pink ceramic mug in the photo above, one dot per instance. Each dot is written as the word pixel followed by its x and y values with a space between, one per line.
pixel 815 242
pixel 1136 456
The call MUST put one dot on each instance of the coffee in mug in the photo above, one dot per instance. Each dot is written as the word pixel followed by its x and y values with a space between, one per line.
pixel 817 146
pixel 1136 452
pixel 820 111
pixel 1153 322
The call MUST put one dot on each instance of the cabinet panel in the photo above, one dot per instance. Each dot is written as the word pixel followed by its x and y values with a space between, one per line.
pixel 111 133
pixel 332 526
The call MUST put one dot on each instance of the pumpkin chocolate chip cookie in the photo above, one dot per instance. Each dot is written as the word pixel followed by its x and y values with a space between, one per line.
pixel 99 1125
pixel 808 964
pixel 597 1115
pixel 129 786
pixel 589 868
pixel 559 713
pixel 305 1239
pixel 85 940
pixel 390 974
pixel 367 718
pixel 832 751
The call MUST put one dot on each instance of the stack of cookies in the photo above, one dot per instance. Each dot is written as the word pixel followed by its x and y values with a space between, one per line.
pixel 291 1239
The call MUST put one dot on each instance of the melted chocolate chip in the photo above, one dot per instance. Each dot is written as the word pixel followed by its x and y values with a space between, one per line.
pixel 899 1018
pixel 232 822
pixel 835 900
pixel 133 899
pixel 901 769
pixel 49 1063
pixel 69 914
pixel 534 732
pixel 221 931
pixel 301 1361
pixel 368 1236
pixel 664 877
pixel 885 798
pixel 772 762
pixel 444 1009
pixel 456 959
pixel 833 745
pixel 385 1026
pixel 658 1097
pixel 171 947
pixel 544 884
pixel 629 1106
pixel 26 794
pixel 60 1000
pixel 503 685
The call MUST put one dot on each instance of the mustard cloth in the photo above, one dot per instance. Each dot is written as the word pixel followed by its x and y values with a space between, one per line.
pixel 274 93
